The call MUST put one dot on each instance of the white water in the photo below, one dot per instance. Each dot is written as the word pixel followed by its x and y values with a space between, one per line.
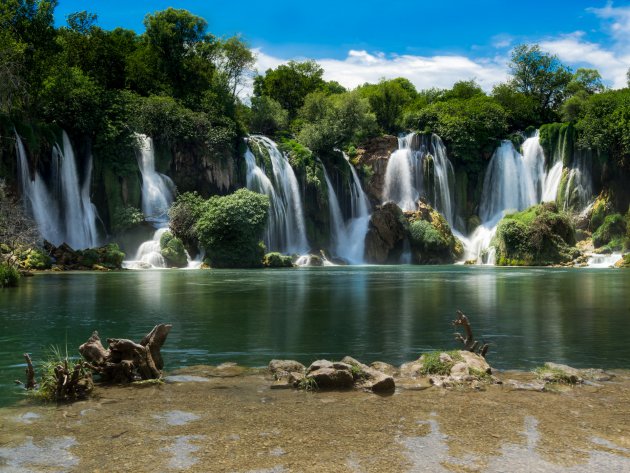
pixel 286 230
pixel 149 255
pixel 66 214
pixel 579 190
pixel 157 189
pixel 348 237
pixel 405 180
pixel 603 261
pixel 513 182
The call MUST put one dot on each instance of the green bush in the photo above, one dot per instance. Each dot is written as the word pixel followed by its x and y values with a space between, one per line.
pixel 9 276
pixel 277 260
pixel 125 218
pixel 431 363
pixel 183 215
pixel 230 229
pixel 35 258
pixel 173 251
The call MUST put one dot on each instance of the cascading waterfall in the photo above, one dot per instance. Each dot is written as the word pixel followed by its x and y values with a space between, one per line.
pixel 348 237
pixel 286 230
pixel 513 182
pixel 420 168
pixel 157 189
pixel 157 196
pixel 578 190
pixel 67 214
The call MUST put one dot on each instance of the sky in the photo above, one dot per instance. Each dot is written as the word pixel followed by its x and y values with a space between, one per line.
pixel 433 44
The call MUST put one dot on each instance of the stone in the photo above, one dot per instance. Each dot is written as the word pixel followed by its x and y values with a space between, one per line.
pixel 319 364
pixel 475 362
pixel 459 369
pixel 330 378
pixel 411 369
pixel 514 385
pixel 571 374
pixel 381 383
pixel 294 378
pixel 384 368
pixel 286 366
pixel 375 153
pixel 386 235
pixel 353 362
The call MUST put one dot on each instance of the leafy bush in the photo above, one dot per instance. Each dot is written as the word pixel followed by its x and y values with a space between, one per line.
pixel 432 364
pixel 173 251
pixel 9 276
pixel 183 215
pixel 277 260
pixel 267 116
pixel 125 218
pixel 230 229
pixel 35 258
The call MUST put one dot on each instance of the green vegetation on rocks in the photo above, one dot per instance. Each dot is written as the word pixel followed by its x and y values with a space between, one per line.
pixel 431 238
pixel 439 363
pixel 230 229
pixel 277 260
pixel 611 233
pixel 173 251
pixel 538 236
pixel 9 276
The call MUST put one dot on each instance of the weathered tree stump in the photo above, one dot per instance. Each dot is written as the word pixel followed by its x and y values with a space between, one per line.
pixel 470 344
pixel 126 360
pixel 30 372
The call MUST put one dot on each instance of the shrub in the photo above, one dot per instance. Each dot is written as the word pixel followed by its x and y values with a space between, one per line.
pixel 183 215
pixel 35 258
pixel 9 276
pixel 173 251
pixel 613 228
pixel 277 260
pixel 230 229
pixel 125 218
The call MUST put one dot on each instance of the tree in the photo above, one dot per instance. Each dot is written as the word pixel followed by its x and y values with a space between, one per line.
pixel 267 116
pixel 290 83
pixel 585 80
pixel 520 108
pixel 234 61
pixel 387 99
pixel 231 227
pixel 541 76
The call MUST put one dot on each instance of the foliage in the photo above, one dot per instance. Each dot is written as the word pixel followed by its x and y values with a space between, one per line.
pixel 267 116
pixel 9 275
pixel 173 251
pixel 183 216
pixel 613 228
pixel 432 364
pixel 387 99
pixel 557 141
pixel 519 107
pixel 34 258
pixel 48 387
pixel 108 256
pixel 277 260
pixel 537 236
pixel 125 218
pixel 554 375
pixel 290 83
pixel 230 229
pixel 541 76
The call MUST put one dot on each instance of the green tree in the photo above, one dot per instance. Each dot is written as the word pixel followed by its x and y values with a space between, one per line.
pixel 234 62
pixel 387 99
pixel 541 76
pixel 267 116
pixel 290 83
pixel 230 229
pixel 520 108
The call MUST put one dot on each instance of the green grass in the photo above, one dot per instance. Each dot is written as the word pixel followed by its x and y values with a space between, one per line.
pixel 431 363
pixel 46 391
pixel 553 375
pixel 307 384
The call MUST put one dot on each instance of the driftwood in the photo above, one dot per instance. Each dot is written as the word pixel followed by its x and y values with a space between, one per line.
pixel 126 360
pixel 470 344
pixel 72 384
pixel 30 372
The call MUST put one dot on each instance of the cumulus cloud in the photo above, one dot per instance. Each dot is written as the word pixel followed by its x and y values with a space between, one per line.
pixel 359 67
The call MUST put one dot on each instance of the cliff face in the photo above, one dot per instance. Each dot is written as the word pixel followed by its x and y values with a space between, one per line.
pixel 375 153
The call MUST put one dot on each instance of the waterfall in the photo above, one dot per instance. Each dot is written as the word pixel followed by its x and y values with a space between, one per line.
pixel 157 189
pixel 348 237
pixel 578 190
pixel 67 214
pixel 286 230
pixel 420 168
pixel 513 182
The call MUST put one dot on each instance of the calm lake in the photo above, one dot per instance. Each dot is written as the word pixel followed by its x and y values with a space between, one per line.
pixel 387 313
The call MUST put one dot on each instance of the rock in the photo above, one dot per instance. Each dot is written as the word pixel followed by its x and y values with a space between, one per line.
pixel 411 369
pixel 384 368
pixel 286 366
pixel 353 362
pixel 375 153
pixel 554 373
pixel 596 375
pixel 475 362
pixel 330 378
pixel 459 369
pixel 387 232
pixel 277 260
pixel 520 386
pixel 380 382
pixel 282 384
pixel 430 237
pixel 445 358
pixel 319 364
pixel 295 378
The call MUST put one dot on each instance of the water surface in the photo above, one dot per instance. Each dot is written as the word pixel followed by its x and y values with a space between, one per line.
pixel 387 313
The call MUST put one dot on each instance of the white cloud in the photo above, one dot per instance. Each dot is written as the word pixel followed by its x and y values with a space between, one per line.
pixel 424 72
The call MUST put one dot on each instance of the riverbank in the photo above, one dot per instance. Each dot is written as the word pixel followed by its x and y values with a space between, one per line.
pixel 230 420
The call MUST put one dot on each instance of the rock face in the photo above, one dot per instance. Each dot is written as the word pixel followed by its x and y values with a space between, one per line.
pixel 538 236
pixel 430 237
pixel 387 231
pixel 375 153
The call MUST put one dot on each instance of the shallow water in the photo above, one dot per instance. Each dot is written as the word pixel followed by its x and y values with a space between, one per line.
pixel 386 313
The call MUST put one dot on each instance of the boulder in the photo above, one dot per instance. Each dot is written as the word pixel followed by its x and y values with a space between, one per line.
pixel 370 378
pixel 386 235
pixel 331 378
pixel 281 369
pixel 375 154
pixel 384 368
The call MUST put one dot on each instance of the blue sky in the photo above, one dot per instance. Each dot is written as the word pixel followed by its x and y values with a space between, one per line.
pixel 431 43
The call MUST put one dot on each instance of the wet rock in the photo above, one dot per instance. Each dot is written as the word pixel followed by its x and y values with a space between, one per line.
pixel 475 362
pixel 555 372
pixel 282 368
pixel 370 378
pixel 375 153
pixel 515 385
pixel 387 232
pixel 411 369
pixel 319 364
pixel 384 368
pixel 598 375
pixel 330 378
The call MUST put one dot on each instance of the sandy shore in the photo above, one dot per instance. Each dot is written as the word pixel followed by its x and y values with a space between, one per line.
pixel 209 420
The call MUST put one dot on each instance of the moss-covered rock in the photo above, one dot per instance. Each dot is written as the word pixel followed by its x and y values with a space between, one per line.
pixel 173 251
pixel 538 236
pixel 104 257
pixel 34 258
pixel 430 237
pixel 601 208
pixel 277 260
pixel 611 233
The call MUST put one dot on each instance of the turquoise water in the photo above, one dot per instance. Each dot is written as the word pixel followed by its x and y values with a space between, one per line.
pixel 387 313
